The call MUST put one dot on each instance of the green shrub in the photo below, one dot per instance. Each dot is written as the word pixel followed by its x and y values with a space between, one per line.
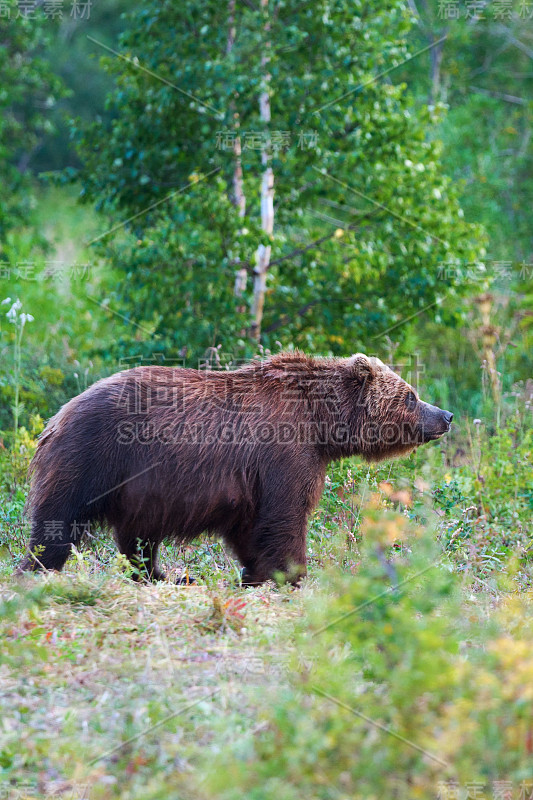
pixel 399 687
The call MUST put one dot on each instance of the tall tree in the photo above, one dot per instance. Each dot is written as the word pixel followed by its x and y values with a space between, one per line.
pixel 364 215
pixel 267 181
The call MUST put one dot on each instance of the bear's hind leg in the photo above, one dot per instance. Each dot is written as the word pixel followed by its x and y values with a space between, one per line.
pixel 49 547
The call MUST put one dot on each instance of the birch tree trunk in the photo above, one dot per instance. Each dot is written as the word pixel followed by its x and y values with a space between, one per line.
pixel 267 187
pixel 238 198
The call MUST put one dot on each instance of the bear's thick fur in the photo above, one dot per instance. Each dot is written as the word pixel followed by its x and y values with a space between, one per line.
pixel 160 452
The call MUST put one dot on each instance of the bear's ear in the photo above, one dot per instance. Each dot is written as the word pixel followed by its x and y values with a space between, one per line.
pixel 361 367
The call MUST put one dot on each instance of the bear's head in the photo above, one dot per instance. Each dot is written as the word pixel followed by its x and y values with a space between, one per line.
pixel 389 419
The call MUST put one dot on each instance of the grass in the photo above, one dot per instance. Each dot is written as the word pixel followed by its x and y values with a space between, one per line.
pixel 106 681
pixel 113 689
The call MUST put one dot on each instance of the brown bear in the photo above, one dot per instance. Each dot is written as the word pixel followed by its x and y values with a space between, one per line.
pixel 161 452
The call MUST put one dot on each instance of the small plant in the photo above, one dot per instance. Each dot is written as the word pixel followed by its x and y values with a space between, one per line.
pixel 19 319
pixel 225 615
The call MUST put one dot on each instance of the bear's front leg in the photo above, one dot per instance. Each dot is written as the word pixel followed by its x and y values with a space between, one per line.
pixel 277 550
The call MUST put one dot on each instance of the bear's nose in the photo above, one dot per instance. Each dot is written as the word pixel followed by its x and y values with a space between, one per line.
pixel 448 416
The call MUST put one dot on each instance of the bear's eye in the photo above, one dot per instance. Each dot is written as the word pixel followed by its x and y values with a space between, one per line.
pixel 411 400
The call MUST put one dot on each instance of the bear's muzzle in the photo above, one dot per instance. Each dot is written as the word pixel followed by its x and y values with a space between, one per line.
pixel 434 421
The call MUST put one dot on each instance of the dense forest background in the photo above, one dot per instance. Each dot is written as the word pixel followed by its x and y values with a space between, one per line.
pixel 401 172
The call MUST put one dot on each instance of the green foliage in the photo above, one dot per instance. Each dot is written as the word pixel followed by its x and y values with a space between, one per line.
pixel 54 287
pixel 29 88
pixel 488 503
pixel 483 74
pixel 387 699
pixel 32 382
pixel 71 54
pixel 333 283
pixel 14 463
pixel 174 260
